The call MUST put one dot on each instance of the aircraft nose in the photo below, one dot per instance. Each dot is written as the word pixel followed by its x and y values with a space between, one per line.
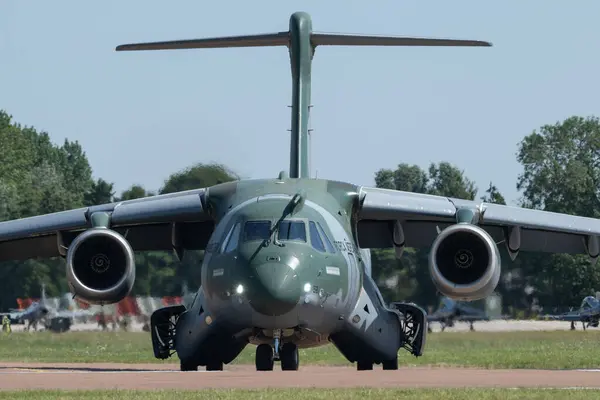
pixel 275 289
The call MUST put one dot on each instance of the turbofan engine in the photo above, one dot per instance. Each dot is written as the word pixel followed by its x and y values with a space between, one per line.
pixel 464 262
pixel 100 266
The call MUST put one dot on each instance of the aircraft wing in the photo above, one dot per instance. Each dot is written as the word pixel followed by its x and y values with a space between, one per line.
pixel 150 223
pixel 581 314
pixel 420 216
pixel 471 318
pixel 17 315
pixel 13 314
pixel 571 316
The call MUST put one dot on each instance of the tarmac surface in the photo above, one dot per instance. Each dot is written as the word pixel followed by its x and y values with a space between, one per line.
pixel 15 376
pixel 490 326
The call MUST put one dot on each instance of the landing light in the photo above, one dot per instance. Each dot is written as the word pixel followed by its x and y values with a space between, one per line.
pixel 239 289
pixel 307 287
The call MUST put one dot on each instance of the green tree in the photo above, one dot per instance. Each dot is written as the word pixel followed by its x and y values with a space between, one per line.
pixel 135 192
pixel 198 176
pixel 493 195
pixel 161 273
pixel 561 173
pixel 37 177
pixel 447 180
pixel 408 278
pixel 100 192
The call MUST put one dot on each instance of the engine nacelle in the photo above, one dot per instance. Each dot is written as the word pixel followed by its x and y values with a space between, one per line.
pixel 100 266
pixel 464 262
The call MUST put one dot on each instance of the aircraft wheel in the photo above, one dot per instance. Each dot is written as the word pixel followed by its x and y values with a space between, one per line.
pixel 188 366
pixel 290 359
pixel 264 357
pixel 214 366
pixel 364 366
pixel 390 364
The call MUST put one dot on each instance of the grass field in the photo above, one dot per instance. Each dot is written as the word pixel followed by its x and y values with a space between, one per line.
pixel 333 394
pixel 546 350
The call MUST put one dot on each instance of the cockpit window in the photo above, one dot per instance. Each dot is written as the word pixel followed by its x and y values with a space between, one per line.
pixel 326 240
pixel 292 230
pixel 257 230
pixel 231 241
pixel 315 237
pixel 589 302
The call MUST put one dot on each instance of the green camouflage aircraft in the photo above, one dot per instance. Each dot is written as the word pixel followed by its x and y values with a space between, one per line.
pixel 287 262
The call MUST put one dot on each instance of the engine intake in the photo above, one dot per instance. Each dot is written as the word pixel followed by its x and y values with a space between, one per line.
pixel 100 266
pixel 464 262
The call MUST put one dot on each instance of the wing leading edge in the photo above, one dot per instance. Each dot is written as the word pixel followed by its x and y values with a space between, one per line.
pixel 387 217
pixel 161 222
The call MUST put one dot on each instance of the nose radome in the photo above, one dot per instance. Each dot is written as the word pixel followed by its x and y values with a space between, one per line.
pixel 275 289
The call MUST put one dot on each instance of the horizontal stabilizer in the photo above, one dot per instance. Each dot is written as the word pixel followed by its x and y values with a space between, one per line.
pixel 341 39
pixel 269 39
pixel 283 39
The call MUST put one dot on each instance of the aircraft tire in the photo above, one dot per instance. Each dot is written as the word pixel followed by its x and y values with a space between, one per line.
pixel 390 364
pixel 264 357
pixel 214 366
pixel 188 366
pixel 364 365
pixel 290 359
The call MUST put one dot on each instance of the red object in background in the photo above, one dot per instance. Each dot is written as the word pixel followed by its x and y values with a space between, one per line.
pixel 128 306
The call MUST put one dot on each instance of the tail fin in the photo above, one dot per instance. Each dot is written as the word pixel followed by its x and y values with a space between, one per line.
pixel 301 42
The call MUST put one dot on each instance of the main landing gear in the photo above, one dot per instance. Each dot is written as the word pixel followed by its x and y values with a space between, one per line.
pixel 286 354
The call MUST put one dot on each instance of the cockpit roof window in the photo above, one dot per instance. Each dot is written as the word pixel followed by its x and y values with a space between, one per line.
pixel 326 241
pixel 589 302
pixel 315 237
pixel 292 230
pixel 257 230
pixel 231 241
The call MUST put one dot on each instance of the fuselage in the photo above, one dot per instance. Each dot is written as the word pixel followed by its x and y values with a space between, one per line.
pixel 283 257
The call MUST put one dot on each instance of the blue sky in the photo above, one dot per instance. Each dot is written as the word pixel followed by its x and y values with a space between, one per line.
pixel 143 115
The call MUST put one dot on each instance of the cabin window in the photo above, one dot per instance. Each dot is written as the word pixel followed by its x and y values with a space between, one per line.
pixel 326 241
pixel 231 241
pixel 315 237
pixel 257 230
pixel 292 230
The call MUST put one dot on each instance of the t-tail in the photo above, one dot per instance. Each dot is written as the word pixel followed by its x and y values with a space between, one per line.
pixel 301 42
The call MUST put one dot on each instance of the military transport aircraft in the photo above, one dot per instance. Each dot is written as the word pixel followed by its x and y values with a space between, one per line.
pixel 588 313
pixel 286 260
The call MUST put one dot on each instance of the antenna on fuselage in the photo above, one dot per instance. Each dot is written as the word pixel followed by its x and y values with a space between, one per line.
pixel 301 42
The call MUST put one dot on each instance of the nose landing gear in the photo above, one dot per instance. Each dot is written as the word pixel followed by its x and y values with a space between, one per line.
pixel 287 354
